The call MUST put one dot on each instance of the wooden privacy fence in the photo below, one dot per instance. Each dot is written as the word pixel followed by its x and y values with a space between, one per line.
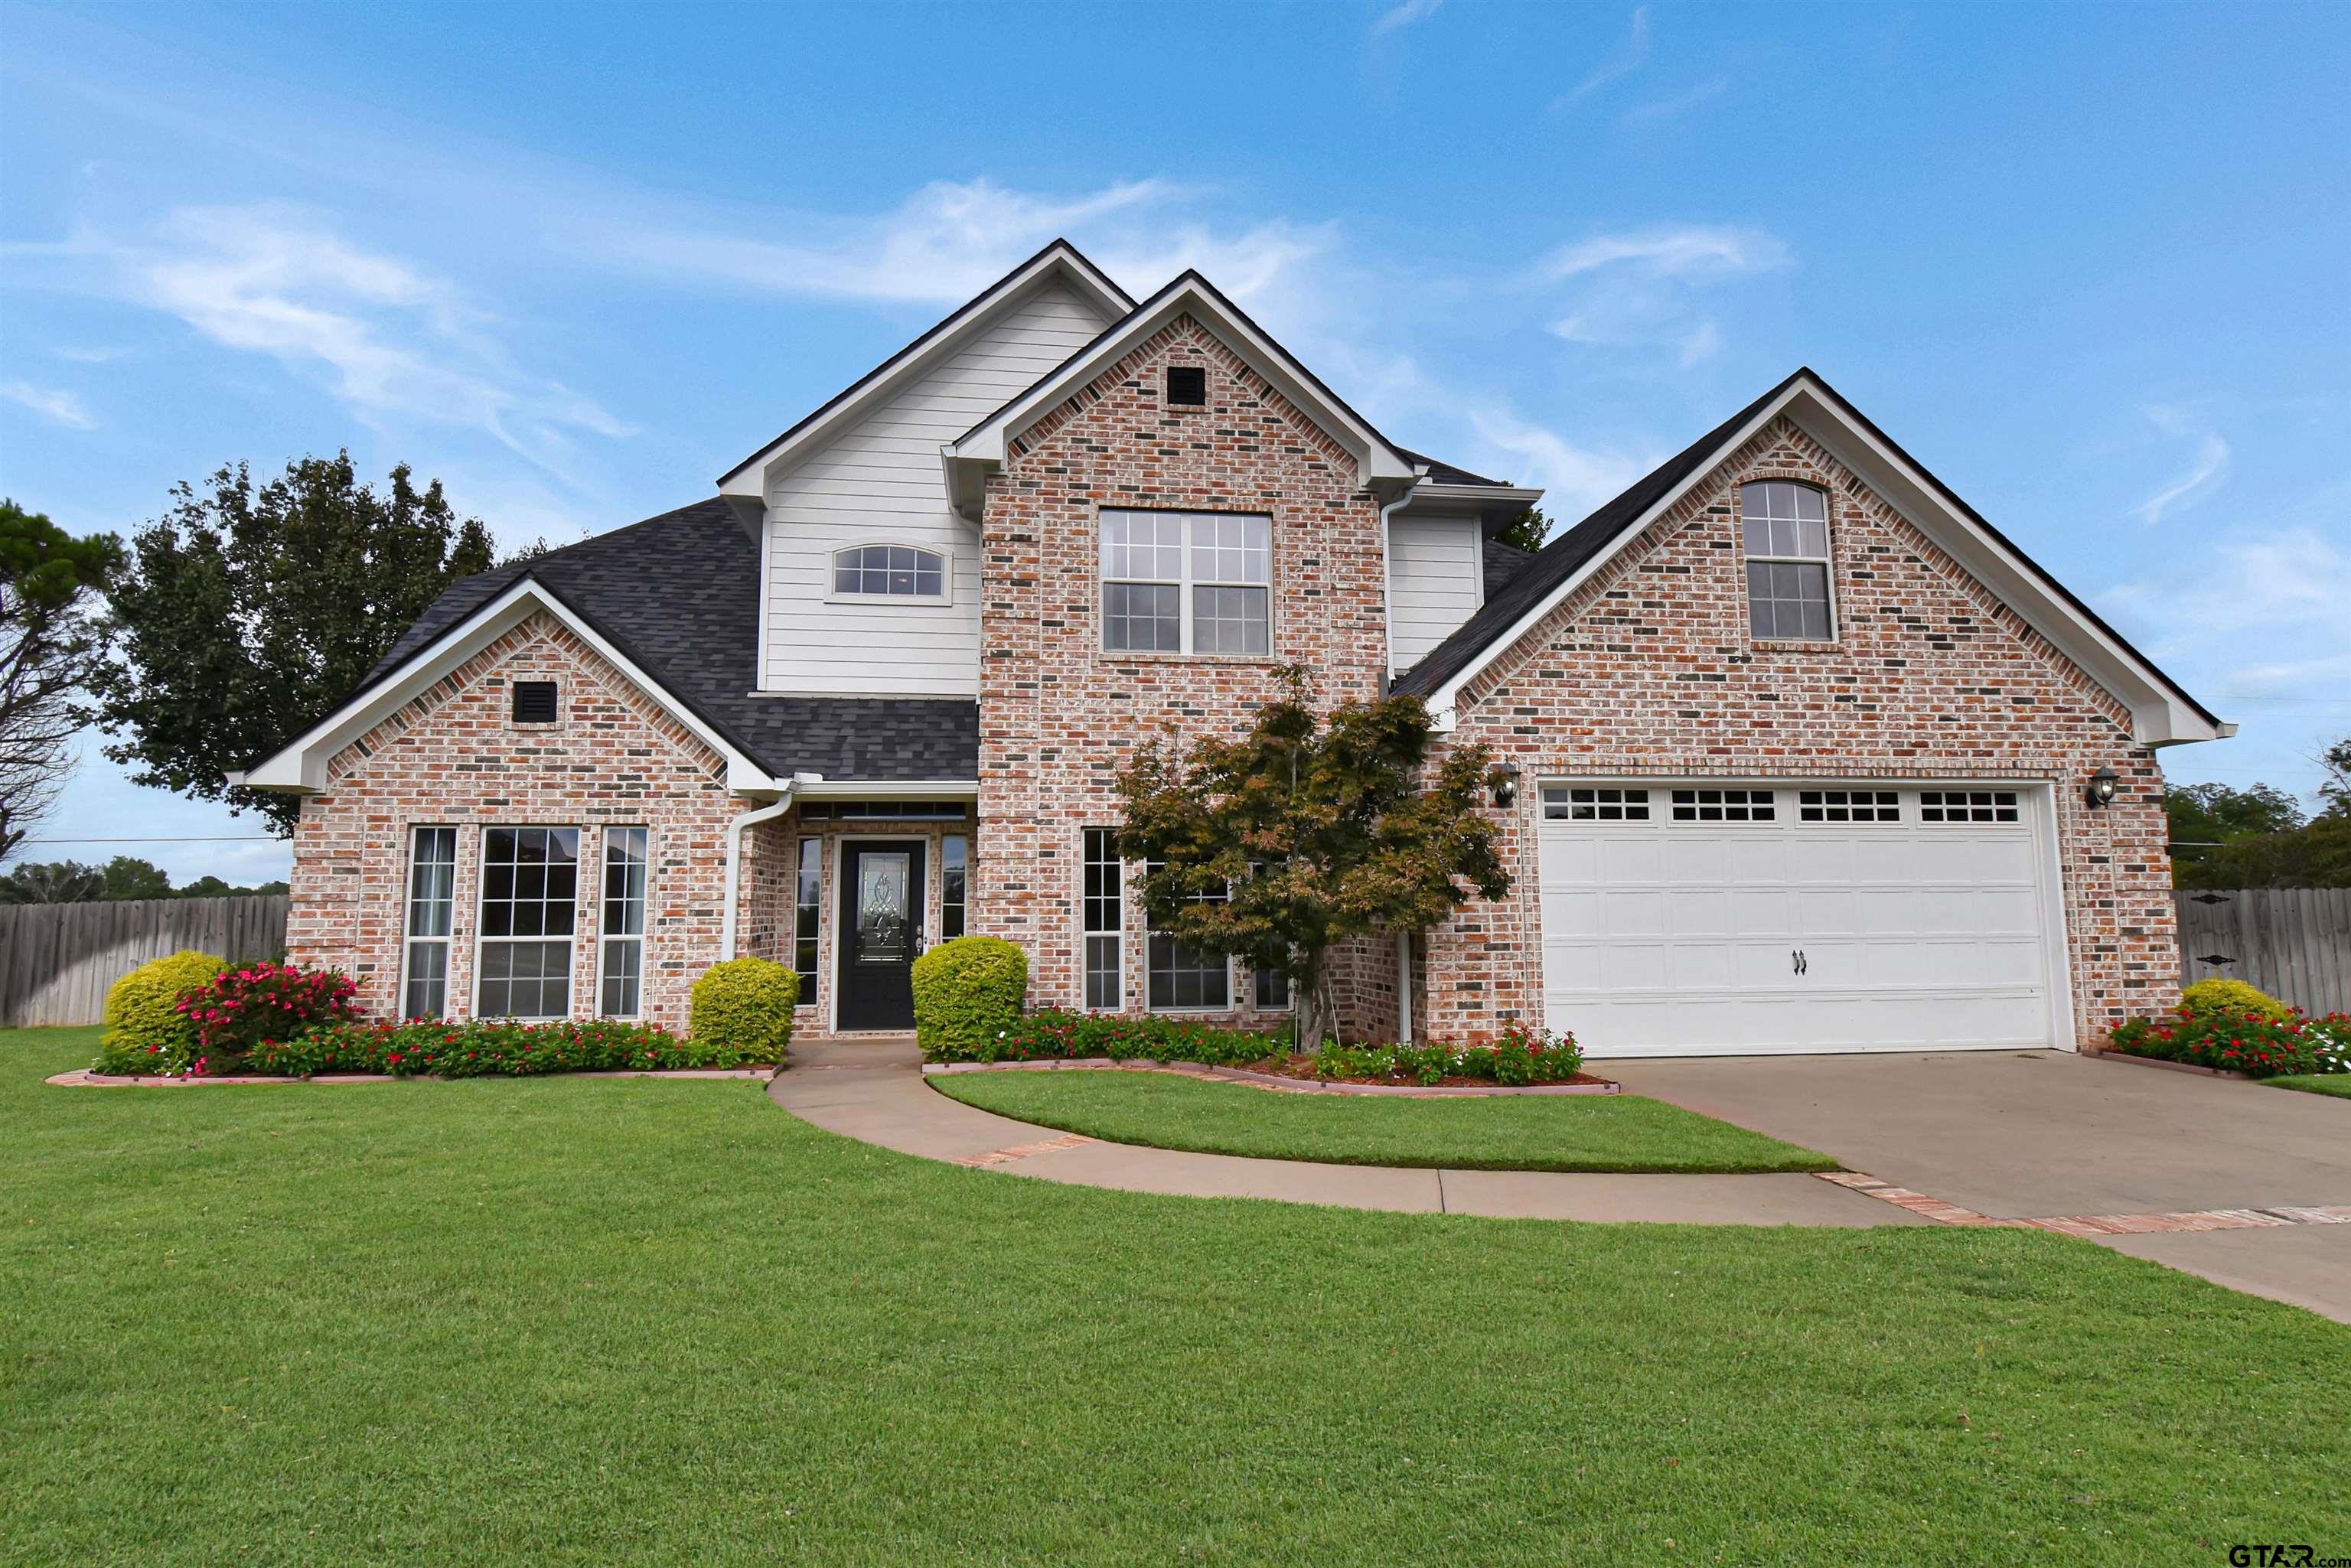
pixel 56 960
pixel 2293 942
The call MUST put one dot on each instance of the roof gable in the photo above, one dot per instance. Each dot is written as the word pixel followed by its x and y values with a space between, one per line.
pixel 982 449
pixel 2162 712
pixel 1059 260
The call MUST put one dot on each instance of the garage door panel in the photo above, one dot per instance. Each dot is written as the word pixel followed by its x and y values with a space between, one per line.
pixel 1664 939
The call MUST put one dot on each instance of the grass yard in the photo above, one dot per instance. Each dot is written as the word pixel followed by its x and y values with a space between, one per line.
pixel 2337 1084
pixel 1504 1133
pixel 631 1320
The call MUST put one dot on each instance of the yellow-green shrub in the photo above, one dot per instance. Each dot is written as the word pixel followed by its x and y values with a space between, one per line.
pixel 746 1003
pixel 145 1031
pixel 2234 997
pixel 966 991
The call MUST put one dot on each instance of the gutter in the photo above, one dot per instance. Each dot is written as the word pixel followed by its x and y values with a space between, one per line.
pixel 767 813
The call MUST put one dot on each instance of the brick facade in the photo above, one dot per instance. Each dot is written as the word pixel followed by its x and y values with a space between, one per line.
pixel 1649 670
pixel 453 756
pixel 1059 717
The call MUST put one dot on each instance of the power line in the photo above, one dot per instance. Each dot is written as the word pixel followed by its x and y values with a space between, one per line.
pixel 192 838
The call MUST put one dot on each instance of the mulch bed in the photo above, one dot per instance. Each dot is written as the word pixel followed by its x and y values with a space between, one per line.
pixel 1303 1067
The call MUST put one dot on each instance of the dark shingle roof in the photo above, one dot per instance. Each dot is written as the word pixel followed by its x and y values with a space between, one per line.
pixel 1559 561
pixel 1503 562
pixel 679 595
pixel 1446 474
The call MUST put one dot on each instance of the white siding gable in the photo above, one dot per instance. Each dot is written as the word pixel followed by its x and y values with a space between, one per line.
pixel 1436 579
pixel 880 482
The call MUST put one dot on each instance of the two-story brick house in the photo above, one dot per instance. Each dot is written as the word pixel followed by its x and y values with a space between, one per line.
pixel 1808 756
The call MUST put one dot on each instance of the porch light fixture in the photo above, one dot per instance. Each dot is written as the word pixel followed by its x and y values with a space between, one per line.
pixel 1505 780
pixel 2101 791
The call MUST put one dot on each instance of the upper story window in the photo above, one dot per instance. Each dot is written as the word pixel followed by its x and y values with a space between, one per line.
pixel 889 571
pixel 1186 583
pixel 1787 529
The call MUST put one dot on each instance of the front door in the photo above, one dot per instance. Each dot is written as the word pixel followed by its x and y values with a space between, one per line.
pixel 882 926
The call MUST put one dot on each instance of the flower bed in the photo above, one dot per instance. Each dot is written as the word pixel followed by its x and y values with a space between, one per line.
pixel 478 1050
pixel 1522 1056
pixel 2252 1043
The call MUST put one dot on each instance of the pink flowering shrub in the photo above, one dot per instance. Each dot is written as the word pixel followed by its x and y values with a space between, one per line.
pixel 242 1007
pixel 1523 1055
pixel 2249 1042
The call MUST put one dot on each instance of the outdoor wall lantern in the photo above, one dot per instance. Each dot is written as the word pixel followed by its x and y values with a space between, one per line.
pixel 1505 780
pixel 2101 791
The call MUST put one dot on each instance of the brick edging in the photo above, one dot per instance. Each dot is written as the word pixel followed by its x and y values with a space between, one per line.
pixel 2137 1061
pixel 1267 1080
pixel 82 1078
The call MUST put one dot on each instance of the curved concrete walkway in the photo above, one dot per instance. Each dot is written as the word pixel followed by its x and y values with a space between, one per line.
pixel 872 1090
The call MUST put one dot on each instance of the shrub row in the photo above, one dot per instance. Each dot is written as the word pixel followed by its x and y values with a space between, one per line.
pixel 1522 1056
pixel 1053 1034
pixel 483 1049
pixel 2251 1042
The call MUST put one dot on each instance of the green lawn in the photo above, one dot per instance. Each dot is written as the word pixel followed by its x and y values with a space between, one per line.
pixel 634 1321
pixel 2315 1084
pixel 1505 1133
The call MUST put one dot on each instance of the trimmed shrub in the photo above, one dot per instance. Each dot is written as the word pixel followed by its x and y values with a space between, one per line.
pixel 146 1033
pixel 744 1004
pixel 966 992
pixel 495 1049
pixel 2233 996
pixel 242 1007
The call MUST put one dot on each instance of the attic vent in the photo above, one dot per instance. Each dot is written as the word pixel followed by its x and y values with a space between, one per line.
pixel 534 702
pixel 1187 386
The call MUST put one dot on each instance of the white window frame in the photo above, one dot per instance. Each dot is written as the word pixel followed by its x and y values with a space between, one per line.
pixel 603 908
pixel 571 939
pixel 812 980
pixel 1184 583
pixel 448 940
pixel 1088 934
pixel 1826 560
pixel 833 594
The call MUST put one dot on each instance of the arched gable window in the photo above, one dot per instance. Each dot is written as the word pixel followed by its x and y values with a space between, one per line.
pixel 1787 530
pixel 889 571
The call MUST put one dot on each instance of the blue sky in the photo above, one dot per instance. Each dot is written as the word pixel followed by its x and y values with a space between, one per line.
pixel 2088 263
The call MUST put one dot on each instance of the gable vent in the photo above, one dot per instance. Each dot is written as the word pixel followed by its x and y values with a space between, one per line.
pixel 534 702
pixel 1187 386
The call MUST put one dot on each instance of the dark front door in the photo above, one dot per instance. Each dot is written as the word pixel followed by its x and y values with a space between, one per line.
pixel 881 931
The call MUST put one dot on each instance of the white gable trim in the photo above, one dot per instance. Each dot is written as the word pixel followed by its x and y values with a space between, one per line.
pixel 301 768
pixel 750 477
pixel 981 450
pixel 2161 714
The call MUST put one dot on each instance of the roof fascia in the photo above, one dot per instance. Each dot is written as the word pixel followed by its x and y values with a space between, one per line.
pixel 301 768
pixel 981 449
pixel 749 477
pixel 2161 714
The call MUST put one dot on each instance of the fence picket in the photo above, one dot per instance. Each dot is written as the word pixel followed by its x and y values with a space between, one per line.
pixel 2293 942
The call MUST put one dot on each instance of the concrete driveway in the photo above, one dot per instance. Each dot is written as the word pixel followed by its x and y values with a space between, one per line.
pixel 2035 1135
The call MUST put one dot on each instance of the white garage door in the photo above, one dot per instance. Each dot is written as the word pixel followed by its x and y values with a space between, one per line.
pixel 1705 919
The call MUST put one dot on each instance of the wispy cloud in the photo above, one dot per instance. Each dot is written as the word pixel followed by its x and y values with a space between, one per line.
pixel 2206 466
pixel 1630 56
pixel 392 339
pixel 98 356
pixel 948 241
pixel 2270 584
pixel 60 407
pixel 1640 289
pixel 1575 479
pixel 1657 111
pixel 1684 251
pixel 1405 15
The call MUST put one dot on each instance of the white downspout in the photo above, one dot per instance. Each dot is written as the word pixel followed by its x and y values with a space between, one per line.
pixel 767 813
pixel 1404 988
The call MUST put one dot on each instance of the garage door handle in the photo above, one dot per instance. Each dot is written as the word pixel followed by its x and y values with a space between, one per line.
pixel 1797 961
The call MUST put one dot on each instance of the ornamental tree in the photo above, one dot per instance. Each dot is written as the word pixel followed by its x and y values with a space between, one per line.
pixel 1279 845
pixel 250 608
pixel 49 643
